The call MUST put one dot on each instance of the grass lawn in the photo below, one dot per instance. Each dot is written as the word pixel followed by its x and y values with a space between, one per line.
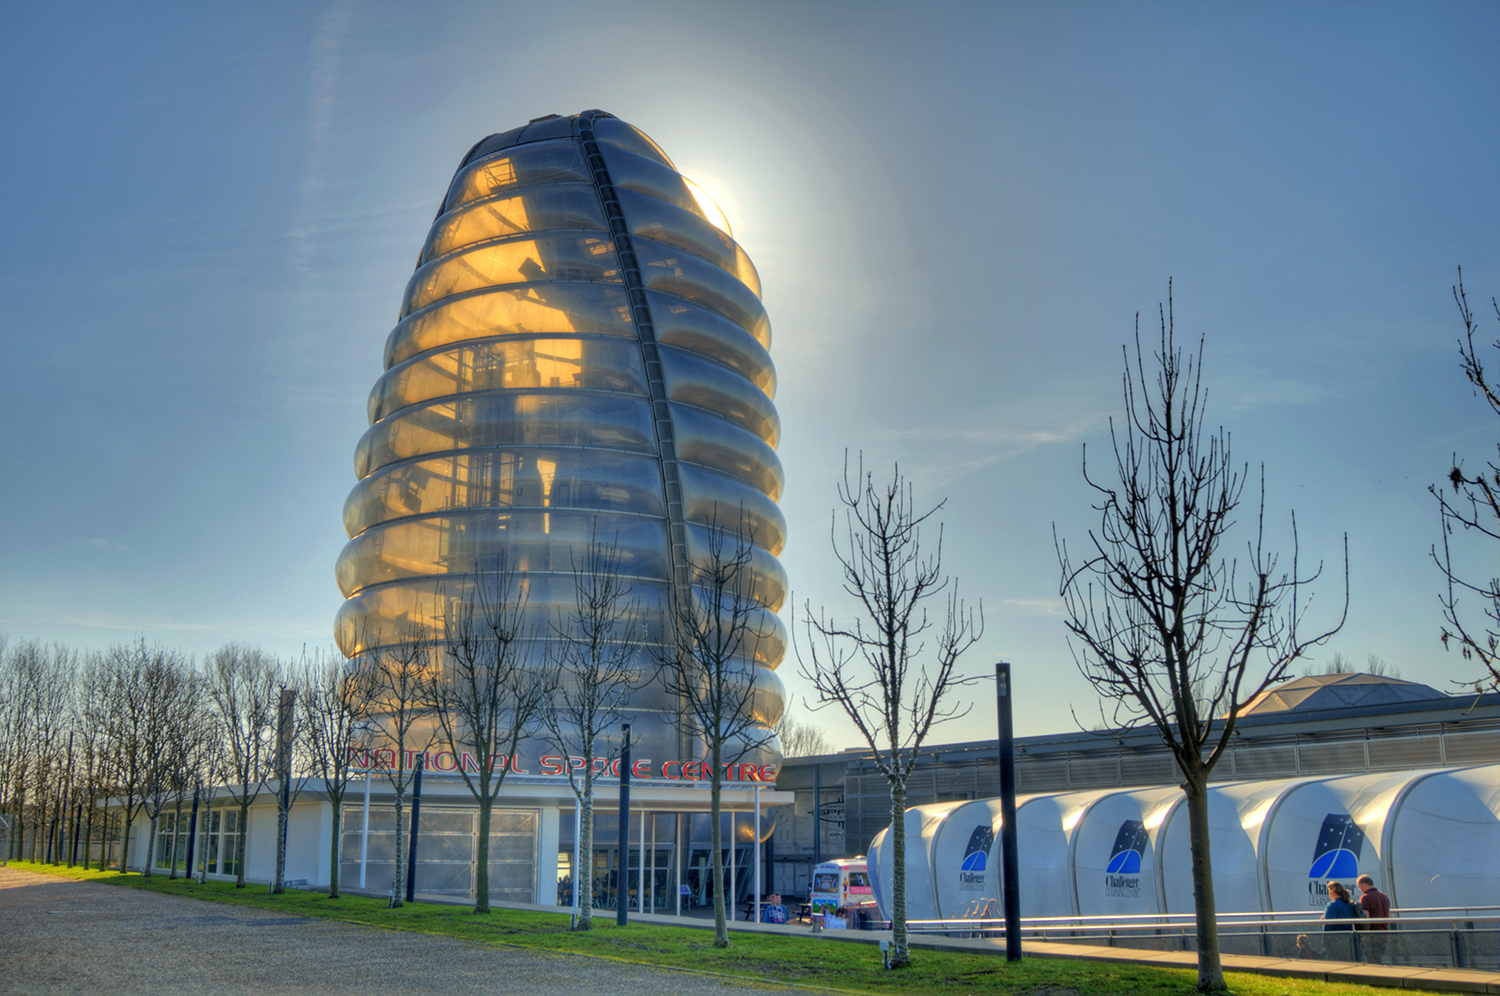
pixel 763 957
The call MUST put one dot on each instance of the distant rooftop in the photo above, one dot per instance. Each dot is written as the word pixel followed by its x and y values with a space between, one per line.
pixel 1338 691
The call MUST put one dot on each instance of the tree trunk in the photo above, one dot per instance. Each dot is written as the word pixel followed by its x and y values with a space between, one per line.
pixel 1210 971
pixel 176 836
pixel 126 819
pixel 398 896
pixel 239 845
pixel 150 845
pixel 583 875
pixel 482 859
pixel 716 838
pixel 88 835
pixel 278 884
pixel 900 950
pixel 335 847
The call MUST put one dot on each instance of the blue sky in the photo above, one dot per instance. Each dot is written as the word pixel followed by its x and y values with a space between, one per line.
pixel 956 211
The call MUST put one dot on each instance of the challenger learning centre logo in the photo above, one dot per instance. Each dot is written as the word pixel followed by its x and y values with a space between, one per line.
pixel 976 859
pixel 1122 874
pixel 1337 852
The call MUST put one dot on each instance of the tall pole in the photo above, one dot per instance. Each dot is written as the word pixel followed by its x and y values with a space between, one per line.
pixel 1009 858
pixel 416 811
pixel 193 827
pixel 364 834
pixel 622 891
pixel 757 852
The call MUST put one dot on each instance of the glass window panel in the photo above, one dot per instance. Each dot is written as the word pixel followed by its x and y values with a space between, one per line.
pixel 669 270
pixel 541 309
pixel 690 327
pixel 628 171
pixel 573 418
pixel 465 542
pixel 693 380
pixel 604 480
pixel 379 616
pixel 520 166
pixel 617 133
pixel 655 219
pixel 710 497
pixel 528 209
pixel 768 578
pixel 711 442
pixel 515 261
pixel 611 364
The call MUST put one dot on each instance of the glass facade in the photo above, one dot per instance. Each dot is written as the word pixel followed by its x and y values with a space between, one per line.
pixel 582 346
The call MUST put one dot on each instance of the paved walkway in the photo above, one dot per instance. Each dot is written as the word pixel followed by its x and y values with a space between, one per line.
pixel 63 936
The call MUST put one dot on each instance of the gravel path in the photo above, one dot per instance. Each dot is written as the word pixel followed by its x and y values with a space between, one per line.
pixel 63 936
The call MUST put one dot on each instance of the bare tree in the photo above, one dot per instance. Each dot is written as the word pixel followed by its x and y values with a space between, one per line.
pixel 488 696
pixel 711 671
pixel 242 684
pixel 875 668
pixel 596 649
pixel 800 739
pixel 1155 609
pixel 399 673
pixel 292 767
pixel 162 691
pixel 335 706
pixel 1474 507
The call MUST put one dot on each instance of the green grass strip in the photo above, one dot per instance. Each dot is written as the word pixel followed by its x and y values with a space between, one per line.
pixel 764 958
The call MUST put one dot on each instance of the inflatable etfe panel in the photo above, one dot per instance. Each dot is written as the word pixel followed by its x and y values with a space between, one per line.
pixel 966 861
pixel 1114 860
pixel 1044 827
pixel 922 822
pixel 1235 815
pixel 1445 841
pixel 1328 831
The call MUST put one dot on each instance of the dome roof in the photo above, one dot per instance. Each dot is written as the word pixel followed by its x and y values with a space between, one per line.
pixel 1337 691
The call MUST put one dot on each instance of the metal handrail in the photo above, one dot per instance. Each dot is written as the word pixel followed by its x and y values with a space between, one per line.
pixel 1118 924
pixel 1454 912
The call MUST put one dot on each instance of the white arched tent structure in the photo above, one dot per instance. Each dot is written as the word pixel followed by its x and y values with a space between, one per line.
pixel 1429 838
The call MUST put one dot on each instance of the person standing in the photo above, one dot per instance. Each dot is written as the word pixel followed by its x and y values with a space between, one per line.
pixel 1377 907
pixel 1340 911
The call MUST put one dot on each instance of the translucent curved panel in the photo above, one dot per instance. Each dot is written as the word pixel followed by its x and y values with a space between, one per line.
pixel 514 261
pixel 606 480
pixel 670 270
pixel 475 541
pixel 421 608
pixel 573 418
pixel 628 171
pixel 543 309
pixel 714 499
pixel 688 326
pixel 768 578
pixel 693 380
pixel 710 209
pixel 763 637
pixel 611 364
pixel 663 222
pixel 542 162
pixel 618 133
pixel 714 443
pixel 527 209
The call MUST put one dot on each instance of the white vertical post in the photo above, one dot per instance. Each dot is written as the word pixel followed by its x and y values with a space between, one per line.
pixel 734 885
pixel 677 853
pixel 364 837
pixel 640 876
pixel 577 849
pixel 757 853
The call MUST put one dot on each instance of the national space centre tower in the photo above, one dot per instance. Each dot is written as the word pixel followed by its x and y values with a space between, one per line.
pixel 582 345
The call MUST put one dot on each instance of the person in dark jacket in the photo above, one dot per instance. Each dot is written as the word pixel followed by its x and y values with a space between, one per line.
pixel 1341 911
pixel 1377 909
